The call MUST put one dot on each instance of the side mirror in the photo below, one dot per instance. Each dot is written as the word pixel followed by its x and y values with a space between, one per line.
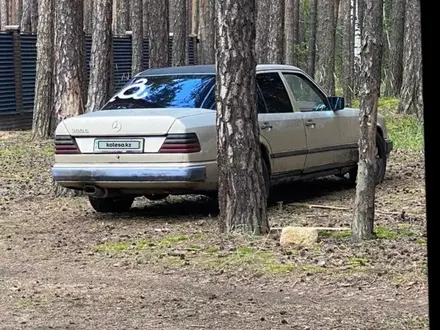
pixel 336 102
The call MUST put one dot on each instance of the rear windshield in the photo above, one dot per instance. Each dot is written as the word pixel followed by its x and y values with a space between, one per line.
pixel 170 91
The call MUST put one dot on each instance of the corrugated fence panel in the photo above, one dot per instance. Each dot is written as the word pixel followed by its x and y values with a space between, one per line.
pixel 146 53
pixel 7 74
pixel 122 61
pixel 28 44
pixel 11 119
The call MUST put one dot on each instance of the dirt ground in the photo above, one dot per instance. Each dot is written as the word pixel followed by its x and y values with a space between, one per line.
pixel 163 265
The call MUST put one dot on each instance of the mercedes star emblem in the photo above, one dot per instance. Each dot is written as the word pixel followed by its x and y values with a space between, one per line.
pixel 116 126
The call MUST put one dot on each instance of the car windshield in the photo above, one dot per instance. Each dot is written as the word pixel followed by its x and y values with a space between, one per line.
pixel 165 91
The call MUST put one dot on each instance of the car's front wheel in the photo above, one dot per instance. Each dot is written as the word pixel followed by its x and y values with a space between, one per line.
pixel 380 163
pixel 111 204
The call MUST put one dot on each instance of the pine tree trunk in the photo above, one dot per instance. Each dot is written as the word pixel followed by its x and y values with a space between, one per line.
pixel 100 56
pixel 276 33
pixel 361 14
pixel 262 34
pixel 69 66
pixel 89 7
pixel 43 101
pixel 145 20
pixel 194 16
pixel 312 37
pixel 325 46
pixel 137 64
pixel 363 218
pixel 241 186
pixel 122 17
pixel 34 16
pixel 207 31
pixel 180 35
pixel 26 22
pixel 18 10
pixel 393 81
pixel 411 94
pixel 290 26
pixel 347 50
pixel 158 25
pixel 4 13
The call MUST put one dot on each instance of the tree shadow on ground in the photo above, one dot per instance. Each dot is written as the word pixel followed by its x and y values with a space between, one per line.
pixel 195 206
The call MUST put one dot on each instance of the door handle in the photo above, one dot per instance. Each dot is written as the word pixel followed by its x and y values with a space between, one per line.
pixel 310 124
pixel 266 126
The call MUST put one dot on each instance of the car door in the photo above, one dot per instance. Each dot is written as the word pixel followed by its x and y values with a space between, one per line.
pixel 281 126
pixel 321 123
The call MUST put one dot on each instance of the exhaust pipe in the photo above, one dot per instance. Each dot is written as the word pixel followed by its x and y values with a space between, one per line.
pixel 94 191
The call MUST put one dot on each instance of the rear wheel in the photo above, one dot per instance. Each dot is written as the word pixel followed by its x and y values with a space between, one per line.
pixel 111 204
pixel 380 163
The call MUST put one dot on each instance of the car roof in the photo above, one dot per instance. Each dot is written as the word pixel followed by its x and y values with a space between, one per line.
pixel 210 69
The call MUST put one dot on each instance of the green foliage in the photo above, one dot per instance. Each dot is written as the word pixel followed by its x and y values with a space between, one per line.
pixel 405 130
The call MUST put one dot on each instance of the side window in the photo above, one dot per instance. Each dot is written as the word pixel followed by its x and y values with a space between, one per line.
pixel 274 93
pixel 261 106
pixel 308 97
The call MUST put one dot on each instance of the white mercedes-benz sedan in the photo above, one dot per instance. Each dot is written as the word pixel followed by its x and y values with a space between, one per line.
pixel 157 136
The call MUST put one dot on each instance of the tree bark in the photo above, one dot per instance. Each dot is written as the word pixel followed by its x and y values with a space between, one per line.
pixel 347 50
pixel 34 16
pixel 312 37
pixel 207 31
pixel 363 219
pixel 393 82
pixel 325 46
pixel 137 64
pixel 180 35
pixel 69 66
pixel 26 22
pixel 290 29
pixel 145 19
pixel 194 16
pixel 4 13
pixel 411 94
pixel 276 35
pixel 43 101
pixel 262 34
pixel 100 57
pixel 242 195
pixel 122 17
pixel 158 25
pixel 361 15
pixel 17 9
pixel 89 7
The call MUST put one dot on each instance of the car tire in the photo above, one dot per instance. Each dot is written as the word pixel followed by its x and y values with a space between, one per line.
pixel 111 204
pixel 266 178
pixel 380 165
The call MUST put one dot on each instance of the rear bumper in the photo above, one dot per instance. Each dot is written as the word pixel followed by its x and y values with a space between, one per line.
pixel 89 174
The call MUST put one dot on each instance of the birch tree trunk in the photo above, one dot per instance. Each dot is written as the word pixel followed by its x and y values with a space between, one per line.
pixel 43 101
pixel 101 56
pixel 363 219
pixel 242 195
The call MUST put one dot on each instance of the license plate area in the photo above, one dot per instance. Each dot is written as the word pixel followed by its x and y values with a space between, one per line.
pixel 118 146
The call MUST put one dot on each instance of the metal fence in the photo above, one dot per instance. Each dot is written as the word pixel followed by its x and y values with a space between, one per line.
pixel 18 59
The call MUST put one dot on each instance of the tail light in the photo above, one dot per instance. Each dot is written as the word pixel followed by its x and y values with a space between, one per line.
pixel 65 144
pixel 181 143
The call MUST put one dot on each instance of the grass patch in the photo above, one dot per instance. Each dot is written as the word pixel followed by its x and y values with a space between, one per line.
pixel 405 130
pixel 421 241
pixel 384 233
pixel 335 234
pixel 211 249
pixel 112 247
pixel 173 239
pixel 358 262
